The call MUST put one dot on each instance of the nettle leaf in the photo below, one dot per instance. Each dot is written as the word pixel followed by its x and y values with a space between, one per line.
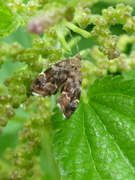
pixel 98 141
pixel 7 20
pixel 72 149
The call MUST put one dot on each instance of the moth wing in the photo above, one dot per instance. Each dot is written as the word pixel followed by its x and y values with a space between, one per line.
pixel 49 81
pixel 70 93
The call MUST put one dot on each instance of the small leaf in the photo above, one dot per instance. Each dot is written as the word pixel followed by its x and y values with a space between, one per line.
pixel 98 141
pixel 7 20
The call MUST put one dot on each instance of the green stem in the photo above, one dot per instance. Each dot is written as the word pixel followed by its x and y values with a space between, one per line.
pixel 78 30
pixel 62 40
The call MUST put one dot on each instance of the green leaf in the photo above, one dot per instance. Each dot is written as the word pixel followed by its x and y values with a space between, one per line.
pixel 98 141
pixel 72 148
pixel 7 20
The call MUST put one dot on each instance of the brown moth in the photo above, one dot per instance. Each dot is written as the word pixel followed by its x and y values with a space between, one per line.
pixel 65 76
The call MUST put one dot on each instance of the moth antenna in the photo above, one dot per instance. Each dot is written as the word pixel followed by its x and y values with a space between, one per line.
pixel 74 42
pixel 79 51
pixel 92 61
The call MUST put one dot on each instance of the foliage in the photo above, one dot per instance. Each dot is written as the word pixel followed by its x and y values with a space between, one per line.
pixel 98 141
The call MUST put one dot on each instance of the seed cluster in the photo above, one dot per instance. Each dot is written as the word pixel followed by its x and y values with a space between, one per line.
pixel 24 157
pixel 101 31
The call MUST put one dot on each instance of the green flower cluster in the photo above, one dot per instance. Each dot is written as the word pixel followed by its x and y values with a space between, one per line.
pixel 101 65
pixel 101 32
pixel 104 67
pixel 7 110
pixel 9 51
pixel 18 95
pixel 102 23
pixel 24 157
pixel 18 84
pixel 20 8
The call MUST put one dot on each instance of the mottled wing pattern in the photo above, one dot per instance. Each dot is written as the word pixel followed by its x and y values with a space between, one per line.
pixel 64 75
pixel 70 93
pixel 49 81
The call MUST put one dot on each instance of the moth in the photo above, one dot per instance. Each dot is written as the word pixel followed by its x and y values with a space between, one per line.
pixel 64 76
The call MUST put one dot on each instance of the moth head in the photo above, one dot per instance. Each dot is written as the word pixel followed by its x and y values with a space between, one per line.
pixel 78 56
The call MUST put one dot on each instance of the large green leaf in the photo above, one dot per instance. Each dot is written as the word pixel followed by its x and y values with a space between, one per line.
pixel 7 19
pixel 98 141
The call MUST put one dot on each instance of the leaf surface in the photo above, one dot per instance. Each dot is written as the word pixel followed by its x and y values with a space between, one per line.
pixel 98 141
pixel 7 19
